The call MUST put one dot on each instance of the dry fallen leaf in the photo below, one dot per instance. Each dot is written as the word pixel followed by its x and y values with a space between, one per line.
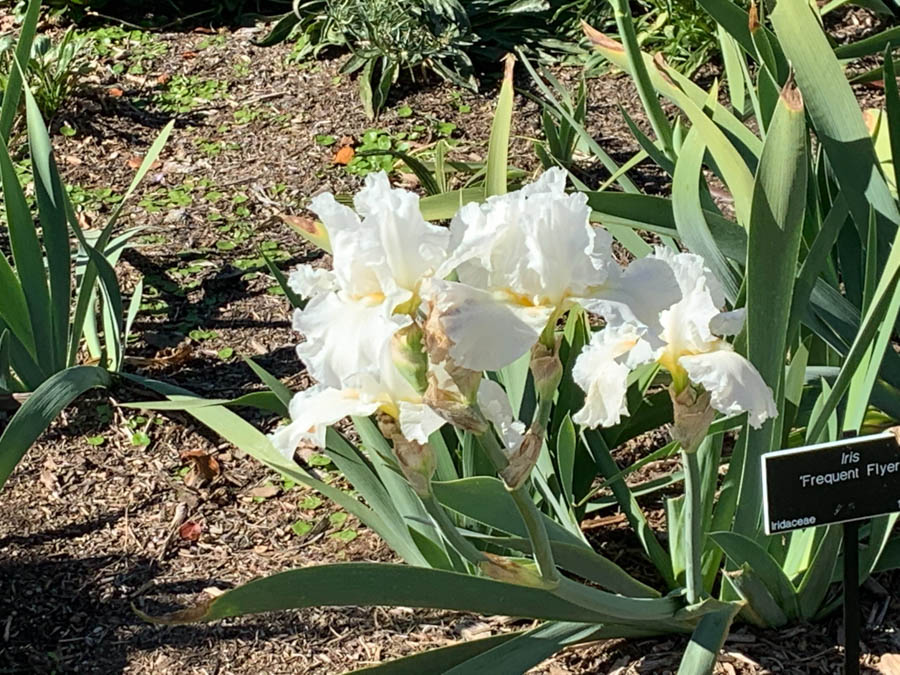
pixel 599 521
pixel 190 530
pixel 204 467
pixel 136 161
pixel 344 155
pixel 164 359
pixel 162 78
pixel 115 92
pixel 48 480
pixel 264 491
pixel 189 55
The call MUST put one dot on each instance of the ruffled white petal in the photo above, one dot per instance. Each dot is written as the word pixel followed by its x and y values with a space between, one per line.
pixel 686 324
pixel 728 323
pixel 535 243
pixel 308 281
pixel 312 411
pixel 357 259
pixel 487 330
pixel 733 383
pixel 335 217
pixel 494 404
pixel 637 296
pixel 413 248
pixel 692 273
pixel 342 337
pixel 566 256
pixel 601 370
pixel 383 250
pixel 418 421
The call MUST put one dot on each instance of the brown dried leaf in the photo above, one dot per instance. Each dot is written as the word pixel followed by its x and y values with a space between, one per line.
pixel 190 530
pixel 136 161
pixel 204 467
pixel 48 480
pixel 344 155
pixel 264 491
pixel 605 521
pixel 188 615
pixel 179 356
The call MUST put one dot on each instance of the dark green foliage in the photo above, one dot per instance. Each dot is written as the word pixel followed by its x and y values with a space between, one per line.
pixel 170 11
pixel 457 40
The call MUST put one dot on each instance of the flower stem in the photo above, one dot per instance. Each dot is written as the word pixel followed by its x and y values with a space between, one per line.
pixel 693 523
pixel 531 516
pixel 537 533
pixel 449 530
pixel 542 414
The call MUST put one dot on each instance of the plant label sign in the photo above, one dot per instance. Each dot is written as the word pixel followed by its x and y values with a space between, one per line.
pixel 829 483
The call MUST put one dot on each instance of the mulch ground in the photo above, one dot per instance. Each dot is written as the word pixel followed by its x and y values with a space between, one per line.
pixel 105 513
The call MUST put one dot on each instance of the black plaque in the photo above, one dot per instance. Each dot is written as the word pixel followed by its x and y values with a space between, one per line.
pixel 831 482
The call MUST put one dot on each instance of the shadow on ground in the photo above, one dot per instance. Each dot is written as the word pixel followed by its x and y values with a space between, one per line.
pixel 72 614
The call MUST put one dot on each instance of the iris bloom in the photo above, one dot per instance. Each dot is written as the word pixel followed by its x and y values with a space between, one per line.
pixel 522 260
pixel 381 252
pixel 365 393
pixel 686 339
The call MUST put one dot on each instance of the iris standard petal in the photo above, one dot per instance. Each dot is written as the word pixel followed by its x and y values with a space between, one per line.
pixel 494 404
pixel 343 338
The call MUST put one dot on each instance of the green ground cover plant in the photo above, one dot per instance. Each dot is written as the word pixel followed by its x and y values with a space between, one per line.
pixel 59 286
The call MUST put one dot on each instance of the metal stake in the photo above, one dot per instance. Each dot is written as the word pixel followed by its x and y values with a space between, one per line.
pixel 851 598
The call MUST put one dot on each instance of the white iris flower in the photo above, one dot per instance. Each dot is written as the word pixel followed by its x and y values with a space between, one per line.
pixel 685 338
pixel 382 251
pixel 522 260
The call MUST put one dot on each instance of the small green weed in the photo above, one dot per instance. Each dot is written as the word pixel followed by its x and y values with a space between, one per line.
pixel 377 139
pixel 184 93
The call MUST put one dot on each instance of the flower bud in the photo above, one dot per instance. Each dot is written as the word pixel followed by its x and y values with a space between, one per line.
pixel 511 571
pixel 523 458
pixel 408 354
pixel 452 392
pixel 416 461
pixel 546 368
pixel 693 415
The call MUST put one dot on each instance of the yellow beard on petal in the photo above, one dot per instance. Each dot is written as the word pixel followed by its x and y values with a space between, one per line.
pixel 669 360
pixel 389 408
